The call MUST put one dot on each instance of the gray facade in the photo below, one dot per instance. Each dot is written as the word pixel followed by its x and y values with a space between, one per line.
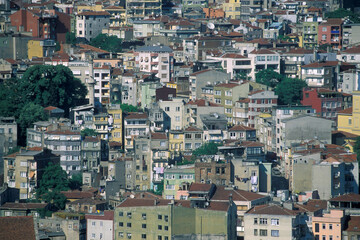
pixel 8 128
pixel 14 46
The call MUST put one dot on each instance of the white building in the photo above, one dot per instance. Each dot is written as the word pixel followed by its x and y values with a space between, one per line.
pixel 90 24
pixel 102 84
pixel 264 59
pixel 234 63
pixel 175 110
pixel 157 60
pixel 100 226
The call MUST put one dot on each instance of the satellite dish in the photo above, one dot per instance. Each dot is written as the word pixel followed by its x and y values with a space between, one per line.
pixel 210 26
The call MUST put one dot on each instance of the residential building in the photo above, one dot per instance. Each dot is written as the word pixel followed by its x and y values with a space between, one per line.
pixel 347 120
pixel 146 28
pixel 14 209
pixel 200 79
pixel 102 84
pixel 139 9
pixel 241 132
pixel 251 7
pixel 90 24
pixel 8 128
pixel 84 71
pixel 129 89
pixel 174 219
pixel 86 205
pixel 350 34
pixel 215 127
pixel 67 144
pixel 225 94
pixel 327 103
pixel 232 9
pixel 159 146
pixel 21 226
pixel 310 31
pixel 329 225
pixel 268 221
pixel 39 48
pixel 330 32
pixel 196 108
pixel 352 228
pixel 264 59
pixel 135 124
pixel 320 74
pixel 193 139
pixel 159 120
pixel 293 60
pixel 241 111
pixel 235 64
pixel 101 125
pixel 24 169
pixel 156 60
pixel 91 152
pixel 100 225
pixel 212 172
pixel 115 123
pixel 176 142
pixel 336 176
pixel 177 181
pixel 175 110
pixel 348 81
pixel 143 172
pixel 260 101
pixel 117 16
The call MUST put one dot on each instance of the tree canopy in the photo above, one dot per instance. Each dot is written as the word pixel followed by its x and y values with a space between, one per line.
pixel 53 181
pixel 356 148
pixel 70 38
pixel 108 43
pixel 206 149
pixel 88 132
pixel 129 108
pixel 290 91
pixel 268 77
pixel 341 13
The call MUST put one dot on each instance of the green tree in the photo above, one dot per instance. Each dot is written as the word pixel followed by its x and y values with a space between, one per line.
pixel 88 132
pixel 290 91
pixel 51 85
pixel 57 46
pixel 129 108
pixel 342 13
pixel 268 77
pixel 29 114
pixel 53 181
pixel 356 148
pixel 325 47
pixel 75 182
pixel 108 43
pixel 70 38
pixel 206 149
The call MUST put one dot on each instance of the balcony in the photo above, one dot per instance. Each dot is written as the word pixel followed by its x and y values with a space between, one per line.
pixel 335 32
pixel 337 175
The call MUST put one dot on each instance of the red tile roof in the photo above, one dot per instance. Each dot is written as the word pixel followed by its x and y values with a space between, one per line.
pixel 63 132
pixel 91 48
pixel 271 210
pixel 24 206
pixel 321 64
pixel 89 13
pixel 227 85
pixel 332 21
pixel 192 129
pixel 354 50
pixel 17 228
pixel 203 103
pixel 232 55
pixel 77 194
pixel 200 72
pixel 241 128
pixel 262 51
pixel 223 194
pixel 312 205
pixel 346 111
pixel 158 135
pixel 200 187
pixel 353 224
pixel 136 115
pixel 350 197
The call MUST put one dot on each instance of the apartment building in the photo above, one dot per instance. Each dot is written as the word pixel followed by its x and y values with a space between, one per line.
pixel 135 124
pixel 320 74
pixel 160 155
pixel 260 101
pixel 90 24
pixel 156 60
pixel 241 132
pixel 220 173
pixel 232 9
pixel 225 94
pixel 100 225
pixel 91 152
pixel 329 225
pixel 24 169
pixel 102 84
pixel 175 110
pixel 264 59
pixel 310 31
pixel 8 129
pixel 177 181
pixel 139 9
pixel 351 34
pixel 129 89
pixel 115 123
pixel 330 32
pixel 84 71
pixel 67 144
pixel 193 139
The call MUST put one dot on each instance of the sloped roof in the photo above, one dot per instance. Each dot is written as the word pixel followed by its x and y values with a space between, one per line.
pixel 89 13
pixel 262 51
pixel 241 128
pixel 346 111
pixel 17 228
pixel 203 103
pixel 353 224
pixel 200 187
pixel 158 135
pixel 136 115
pixel 227 85
pixel 271 210
pixel 237 195
pixel 350 197
pixel 321 64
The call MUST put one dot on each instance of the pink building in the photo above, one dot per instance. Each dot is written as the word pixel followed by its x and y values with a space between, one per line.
pixel 329 225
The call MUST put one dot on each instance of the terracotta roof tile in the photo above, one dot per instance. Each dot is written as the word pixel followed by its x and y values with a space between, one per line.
pixel 158 135
pixel 271 210
pixel 10 205
pixel 241 128
pixel 237 195
pixel 346 111
pixel 17 228
pixel 227 85
pixel 202 187
pixel 89 13
pixel 200 72
pixel 350 197
pixel 262 51
pixel 136 115
pixel 353 224
pixel 203 103
pixel 321 64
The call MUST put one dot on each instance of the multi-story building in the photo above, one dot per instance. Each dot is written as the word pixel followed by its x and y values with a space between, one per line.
pixel 100 225
pixel 235 64
pixel 335 176
pixel 143 171
pixel 200 79
pixel 8 128
pixel 320 74
pixel 90 24
pixel 241 132
pixel 251 7
pixel 330 32
pixel 176 142
pixel 135 124
pixel 177 181
pixel 327 103
pixel 273 221
pixel 84 71
pixel 175 110
pixel 232 9
pixel 350 34
pixel 156 60
pixel 220 173
pixel 169 219
pixel 102 84
pixel 293 60
pixel 159 146
pixel 265 126
pixel 117 16
pixel 260 101
pixel 264 59
pixel 67 144
pixel 195 109
pixel 24 170
pixel 91 152
pixel 329 225
pixel 139 9
pixel 310 31
pixel 226 94
pixel 193 139
pixel 115 123
pixel 129 89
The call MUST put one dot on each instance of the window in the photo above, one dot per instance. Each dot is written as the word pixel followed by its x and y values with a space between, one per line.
pixel 23 174
pixel 159 227
pixel 121 234
pixel 23 164
pixel 324 226
pixel 323 37
pixel 93 235
pixel 331 237
pixel 323 237
pixel 217 92
pixel 263 232
pixel 263 221
pixel 197 135
pixel 144 217
pixel 121 224
pixel 166 228
pixel 330 226
pixel 255 232
pixel 177 109
pixel 255 221
pixel 121 214
pixel 275 233
pixel 160 217
pixel 129 235
pixel 143 225
pixel 129 214
pixel 167 109
pixel 324 29
pixel 275 221
pixel 128 225
pixel 316 227
pixel 143 236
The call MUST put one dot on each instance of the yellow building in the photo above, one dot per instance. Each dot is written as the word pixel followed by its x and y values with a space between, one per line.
pixel 349 119
pixel 176 142
pixel 116 123
pixel 171 85
pixel 232 9
pixel 128 60
pixel 38 48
